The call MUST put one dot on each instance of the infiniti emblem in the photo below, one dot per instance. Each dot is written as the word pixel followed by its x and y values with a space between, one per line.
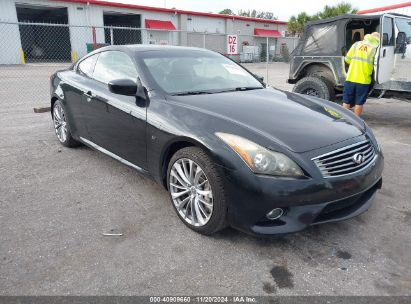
pixel 358 158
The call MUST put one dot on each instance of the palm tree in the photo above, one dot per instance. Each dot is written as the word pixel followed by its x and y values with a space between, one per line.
pixel 333 11
pixel 296 24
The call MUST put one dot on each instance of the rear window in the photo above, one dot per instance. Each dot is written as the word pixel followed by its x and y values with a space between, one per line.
pixel 321 40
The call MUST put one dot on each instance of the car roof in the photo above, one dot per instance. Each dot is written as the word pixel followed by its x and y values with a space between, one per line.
pixel 342 17
pixel 132 49
pixel 148 47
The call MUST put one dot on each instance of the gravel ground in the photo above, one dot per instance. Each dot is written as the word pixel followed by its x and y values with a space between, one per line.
pixel 56 203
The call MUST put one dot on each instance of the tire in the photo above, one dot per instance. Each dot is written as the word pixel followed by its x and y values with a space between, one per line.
pixel 315 86
pixel 326 75
pixel 208 188
pixel 331 89
pixel 61 126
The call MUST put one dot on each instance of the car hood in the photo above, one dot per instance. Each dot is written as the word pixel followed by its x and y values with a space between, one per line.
pixel 298 122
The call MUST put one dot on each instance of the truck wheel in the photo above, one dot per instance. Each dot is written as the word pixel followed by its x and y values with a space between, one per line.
pixel 315 86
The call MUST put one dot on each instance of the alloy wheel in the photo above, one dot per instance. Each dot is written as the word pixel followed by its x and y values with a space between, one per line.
pixel 60 123
pixel 191 192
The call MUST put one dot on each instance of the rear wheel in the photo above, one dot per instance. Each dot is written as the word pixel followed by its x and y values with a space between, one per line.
pixel 197 190
pixel 315 86
pixel 61 126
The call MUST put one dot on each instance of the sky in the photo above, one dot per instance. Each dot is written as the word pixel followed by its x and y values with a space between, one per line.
pixel 282 9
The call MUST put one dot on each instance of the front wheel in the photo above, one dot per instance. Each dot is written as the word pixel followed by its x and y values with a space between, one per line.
pixel 197 191
pixel 315 86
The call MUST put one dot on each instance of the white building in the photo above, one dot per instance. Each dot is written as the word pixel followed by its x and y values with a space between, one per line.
pixel 29 33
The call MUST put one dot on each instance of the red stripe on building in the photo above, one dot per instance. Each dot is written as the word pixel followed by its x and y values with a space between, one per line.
pixel 384 8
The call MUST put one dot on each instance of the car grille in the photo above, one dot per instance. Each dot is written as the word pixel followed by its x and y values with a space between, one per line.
pixel 345 207
pixel 347 160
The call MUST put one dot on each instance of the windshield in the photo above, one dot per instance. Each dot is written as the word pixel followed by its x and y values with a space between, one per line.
pixel 196 72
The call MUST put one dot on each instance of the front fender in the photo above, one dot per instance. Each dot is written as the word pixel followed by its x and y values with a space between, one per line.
pixel 170 127
pixel 335 64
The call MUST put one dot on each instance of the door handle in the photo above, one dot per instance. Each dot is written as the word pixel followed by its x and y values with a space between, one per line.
pixel 383 52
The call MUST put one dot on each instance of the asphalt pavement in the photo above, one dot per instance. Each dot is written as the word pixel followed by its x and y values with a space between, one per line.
pixel 56 204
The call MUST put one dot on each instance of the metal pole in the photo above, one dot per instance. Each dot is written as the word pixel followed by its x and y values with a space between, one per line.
pixel 111 36
pixel 266 65
pixel 93 29
pixel 204 43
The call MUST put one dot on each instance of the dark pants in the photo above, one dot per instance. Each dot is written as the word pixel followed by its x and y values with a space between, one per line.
pixel 355 93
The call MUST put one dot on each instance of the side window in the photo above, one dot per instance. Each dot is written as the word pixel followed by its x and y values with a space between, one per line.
pixel 404 25
pixel 113 65
pixel 388 32
pixel 86 66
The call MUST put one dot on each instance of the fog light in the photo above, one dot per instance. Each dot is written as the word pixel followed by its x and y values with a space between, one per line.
pixel 275 214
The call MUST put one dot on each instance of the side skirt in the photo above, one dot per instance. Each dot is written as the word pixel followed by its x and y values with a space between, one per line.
pixel 120 159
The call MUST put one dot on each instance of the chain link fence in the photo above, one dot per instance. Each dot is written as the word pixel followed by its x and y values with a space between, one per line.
pixel 31 52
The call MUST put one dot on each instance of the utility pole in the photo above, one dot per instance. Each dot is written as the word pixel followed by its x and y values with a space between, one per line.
pixel 266 64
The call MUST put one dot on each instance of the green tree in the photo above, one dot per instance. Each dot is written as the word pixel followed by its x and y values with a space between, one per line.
pixel 337 10
pixel 266 15
pixel 257 14
pixel 296 23
pixel 247 13
pixel 285 53
pixel 227 11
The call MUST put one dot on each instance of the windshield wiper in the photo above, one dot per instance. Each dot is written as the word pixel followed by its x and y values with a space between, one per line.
pixel 247 88
pixel 214 92
pixel 241 89
pixel 192 93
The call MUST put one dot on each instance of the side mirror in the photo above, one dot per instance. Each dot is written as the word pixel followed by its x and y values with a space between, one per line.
pixel 401 38
pixel 260 78
pixel 401 43
pixel 123 87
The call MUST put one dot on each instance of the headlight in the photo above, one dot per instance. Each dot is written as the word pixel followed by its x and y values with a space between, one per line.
pixel 259 159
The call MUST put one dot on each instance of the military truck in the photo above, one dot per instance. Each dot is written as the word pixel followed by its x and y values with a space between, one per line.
pixel 317 64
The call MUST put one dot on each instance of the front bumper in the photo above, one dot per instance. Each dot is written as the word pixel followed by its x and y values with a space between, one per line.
pixel 306 202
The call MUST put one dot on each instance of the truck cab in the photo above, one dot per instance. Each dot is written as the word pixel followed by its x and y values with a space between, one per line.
pixel 317 64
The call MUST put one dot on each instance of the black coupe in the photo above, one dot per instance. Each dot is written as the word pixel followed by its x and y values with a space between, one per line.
pixel 229 149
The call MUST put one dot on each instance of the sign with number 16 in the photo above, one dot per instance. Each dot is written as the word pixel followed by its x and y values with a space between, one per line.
pixel 232 44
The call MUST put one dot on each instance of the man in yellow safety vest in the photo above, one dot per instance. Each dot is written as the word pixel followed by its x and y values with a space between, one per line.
pixel 360 57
